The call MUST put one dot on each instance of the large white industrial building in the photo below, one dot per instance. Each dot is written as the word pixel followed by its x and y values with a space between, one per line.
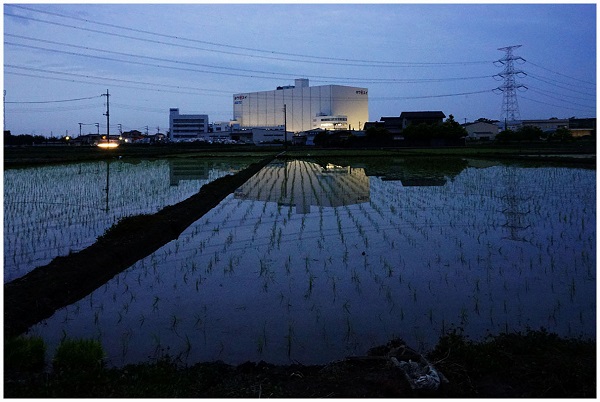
pixel 330 107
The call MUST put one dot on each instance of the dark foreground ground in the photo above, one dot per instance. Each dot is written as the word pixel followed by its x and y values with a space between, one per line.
pixel 533 365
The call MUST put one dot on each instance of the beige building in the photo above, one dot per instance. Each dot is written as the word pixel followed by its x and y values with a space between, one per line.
pixel 330 107
pixel 481 131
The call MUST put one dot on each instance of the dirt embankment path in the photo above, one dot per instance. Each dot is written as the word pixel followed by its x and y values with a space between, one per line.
pixel 65 280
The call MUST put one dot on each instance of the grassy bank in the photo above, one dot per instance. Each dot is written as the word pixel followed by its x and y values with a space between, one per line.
pixel 45 155
pixel 36 155
pixel 535 364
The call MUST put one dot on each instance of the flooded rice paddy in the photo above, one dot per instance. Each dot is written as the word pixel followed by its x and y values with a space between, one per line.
pixel 54 210
pixel 314 260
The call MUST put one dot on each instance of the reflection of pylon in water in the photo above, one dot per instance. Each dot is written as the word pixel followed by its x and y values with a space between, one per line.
pixel 514 212
pixel 510 105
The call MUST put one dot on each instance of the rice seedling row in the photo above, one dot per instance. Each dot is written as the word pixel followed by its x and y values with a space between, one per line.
pixel 311 263
pixel 51 211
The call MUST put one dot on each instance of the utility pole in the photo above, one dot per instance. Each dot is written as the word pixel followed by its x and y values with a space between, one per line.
pixel 80 124
pixel 107 117
pixel 510 106
pixel 285 125
pixel 4 109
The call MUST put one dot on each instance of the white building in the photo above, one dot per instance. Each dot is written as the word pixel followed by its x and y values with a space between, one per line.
pixel 481 131
pixel 331 107
pixel 187 127
pixel 549 125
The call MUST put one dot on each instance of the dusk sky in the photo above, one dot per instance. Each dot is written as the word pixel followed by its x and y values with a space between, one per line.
pixel 60 58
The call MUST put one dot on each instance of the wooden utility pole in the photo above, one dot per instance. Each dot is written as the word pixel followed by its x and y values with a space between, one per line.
pixel 107 117
pixel 285 125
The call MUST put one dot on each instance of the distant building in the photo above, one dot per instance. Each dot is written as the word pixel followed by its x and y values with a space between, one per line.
pixel 481 131
pixel 409 118
pixel 547 126
pixel 220 127
pixel 582 127
pixel 132 136
pixel 578 127
pixel 267 135
pixel 394 125
pixel 187 127
pixel 330 107
pixel 306 137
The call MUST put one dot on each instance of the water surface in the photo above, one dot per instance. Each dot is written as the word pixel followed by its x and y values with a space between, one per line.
pixel 311 261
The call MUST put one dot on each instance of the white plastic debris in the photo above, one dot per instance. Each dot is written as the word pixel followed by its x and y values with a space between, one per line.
pixel 418 376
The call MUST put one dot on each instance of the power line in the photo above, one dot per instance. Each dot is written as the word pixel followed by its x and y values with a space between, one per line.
pixel 361 64
pixel 429 96
pixel 54 109
pixel 564 75
pixel 346 79
pixel 146 85
pixel 555 96
pixel 559 86
pixel 134 62
pixel 262 51
pixel 562 107
pixel 124 106
pixel 58 101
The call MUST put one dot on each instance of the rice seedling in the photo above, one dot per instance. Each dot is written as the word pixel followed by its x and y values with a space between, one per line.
pixel 464 316
pixel 572 288
pixel 311 280
pixel 175 321
pixel 349 330
pixel 289 339
pixel 463 232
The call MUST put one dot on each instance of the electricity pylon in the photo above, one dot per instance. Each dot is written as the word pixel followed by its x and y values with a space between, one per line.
pixel 510 105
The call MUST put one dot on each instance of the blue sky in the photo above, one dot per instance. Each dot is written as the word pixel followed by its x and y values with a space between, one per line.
pixel 59 59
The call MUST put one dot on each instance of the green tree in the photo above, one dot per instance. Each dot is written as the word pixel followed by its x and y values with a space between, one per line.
pixel 378 135
pixel 451 129
pixel 562 134
pixel 320 139
pixel 418 132
pixel 505 135
pixel 529 133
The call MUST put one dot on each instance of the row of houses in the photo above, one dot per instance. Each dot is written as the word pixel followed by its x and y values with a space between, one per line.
pixel 225 132
pixel 478 131
pixel 484 129
pixel 301 111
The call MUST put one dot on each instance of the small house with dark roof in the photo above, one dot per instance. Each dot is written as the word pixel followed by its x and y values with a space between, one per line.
pixel 392 124
pixel 395 124
pixel 434 117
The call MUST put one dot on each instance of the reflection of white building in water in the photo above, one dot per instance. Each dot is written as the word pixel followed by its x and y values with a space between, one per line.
pixel 302 184
pixel 197 169
pixel 330 107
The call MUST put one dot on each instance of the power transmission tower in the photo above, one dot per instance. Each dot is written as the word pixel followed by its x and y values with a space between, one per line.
pixel 510 106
